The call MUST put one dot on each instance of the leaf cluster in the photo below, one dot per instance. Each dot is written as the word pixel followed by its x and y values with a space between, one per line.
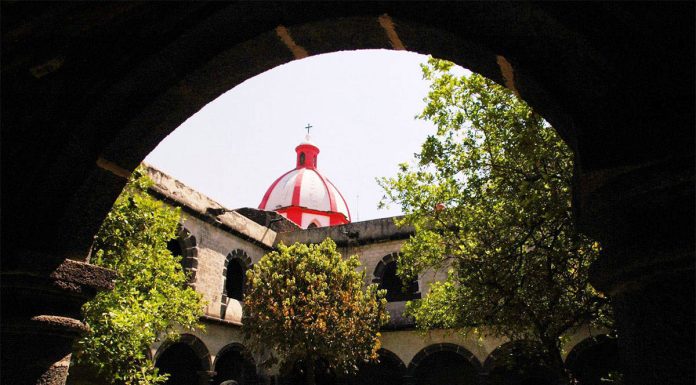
pixel 150 296
pixel 306 303
pixel 490 200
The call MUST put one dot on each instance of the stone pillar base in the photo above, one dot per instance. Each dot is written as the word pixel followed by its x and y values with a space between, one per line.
pixel 41 320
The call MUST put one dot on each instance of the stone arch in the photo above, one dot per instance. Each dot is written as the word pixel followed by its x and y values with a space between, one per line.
pixel 385 276
pixel 245 373
pixel 516 362
pixel 390 370
pixel 392 356
pixel 233 279
pixel 137 132
pixel 593 358
pixel 188 359
pixel 432 354
pixel 196 345
pixel 187 245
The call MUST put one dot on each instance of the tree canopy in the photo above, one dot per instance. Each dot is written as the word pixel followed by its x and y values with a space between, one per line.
pixel 150 298
pixel 489 197
pixel 305 303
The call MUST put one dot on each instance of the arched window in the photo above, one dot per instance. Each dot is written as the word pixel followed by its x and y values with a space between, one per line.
pixel 185 248
pixel 236 265
pixel 234 281
pixel 174 246
pixel 313 225
pixel 386 277
pixel 302 159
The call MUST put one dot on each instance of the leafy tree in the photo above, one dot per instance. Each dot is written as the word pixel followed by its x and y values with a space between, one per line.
pixel 490 200
pixel 306 303
pixel 150 297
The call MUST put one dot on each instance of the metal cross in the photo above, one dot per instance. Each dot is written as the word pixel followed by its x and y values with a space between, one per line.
pixel 308 127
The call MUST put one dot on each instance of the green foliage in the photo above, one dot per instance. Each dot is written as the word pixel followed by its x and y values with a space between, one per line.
pixel 306 303
pixel 490 201
pixel 150 296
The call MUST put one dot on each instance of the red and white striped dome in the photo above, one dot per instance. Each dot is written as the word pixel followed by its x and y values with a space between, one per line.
pixel 304 195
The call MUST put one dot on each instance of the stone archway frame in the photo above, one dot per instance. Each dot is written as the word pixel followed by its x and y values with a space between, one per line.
pixel 189 249
pixel 443 347
pixel 195 344
pixel 244 258
pixel 378 273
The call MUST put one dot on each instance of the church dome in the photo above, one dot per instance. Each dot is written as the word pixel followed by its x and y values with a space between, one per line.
pixel 304 195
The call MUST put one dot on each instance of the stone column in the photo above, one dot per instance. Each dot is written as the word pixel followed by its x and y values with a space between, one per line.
pixel 41 317
pixel 483 378
pixel 205 377
pixel 408 380
pixel 644 218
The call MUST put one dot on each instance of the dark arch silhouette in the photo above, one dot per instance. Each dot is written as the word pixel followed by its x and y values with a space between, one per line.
pixel 592 359
pixel 186 360
pixel 234 362
pixel 390 370
pixel 293 373
pixel 385 276
pixel 517 363
pixel 444 364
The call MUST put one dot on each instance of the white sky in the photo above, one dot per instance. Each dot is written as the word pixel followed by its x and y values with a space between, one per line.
pixel 361 105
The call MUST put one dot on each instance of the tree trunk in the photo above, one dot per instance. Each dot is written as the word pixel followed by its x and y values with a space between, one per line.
pixel 556 364
pixel 309 372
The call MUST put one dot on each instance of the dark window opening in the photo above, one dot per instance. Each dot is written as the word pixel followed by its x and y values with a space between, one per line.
pixel 234 281
pixel 396 289
pixel 312 225
pixel 315 161
pixel 174 246
pixel 302 159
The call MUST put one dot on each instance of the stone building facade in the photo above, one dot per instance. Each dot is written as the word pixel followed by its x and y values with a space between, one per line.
pixel 218 245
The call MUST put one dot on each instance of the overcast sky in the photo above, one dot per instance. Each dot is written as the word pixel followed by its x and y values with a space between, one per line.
pixel 361 105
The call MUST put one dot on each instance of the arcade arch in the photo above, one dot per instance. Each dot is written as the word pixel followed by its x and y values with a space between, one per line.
pixel 593 359
pixel 445 364
pixel 516 363
pixel 233 362
pixel 187 360
pixel 389 370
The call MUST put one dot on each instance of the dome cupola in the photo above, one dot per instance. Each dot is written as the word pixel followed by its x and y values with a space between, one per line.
pixel 304 195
